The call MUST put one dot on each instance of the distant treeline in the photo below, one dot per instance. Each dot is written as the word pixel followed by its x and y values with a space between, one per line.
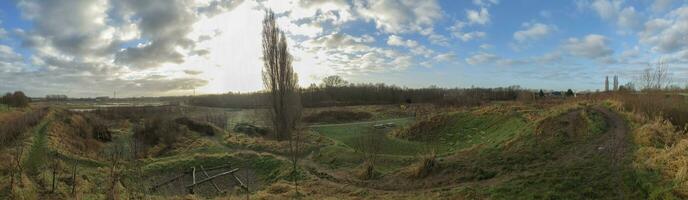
pixel 367 94
pixel 16 99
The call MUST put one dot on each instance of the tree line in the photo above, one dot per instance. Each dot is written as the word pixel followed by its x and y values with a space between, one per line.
pixel 16 99
pixel 348 94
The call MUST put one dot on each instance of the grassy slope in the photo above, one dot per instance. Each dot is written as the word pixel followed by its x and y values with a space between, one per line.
pixel 350 135
pixel 39 149
pixel 565 168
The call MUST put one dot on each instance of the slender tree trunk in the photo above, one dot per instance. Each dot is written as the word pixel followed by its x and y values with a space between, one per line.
pixel 54 175
pixel 74 180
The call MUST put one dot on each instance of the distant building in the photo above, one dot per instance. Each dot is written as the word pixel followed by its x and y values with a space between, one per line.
pixel 56 97
pixel 606 83
pixel 103 98
pixel 616 82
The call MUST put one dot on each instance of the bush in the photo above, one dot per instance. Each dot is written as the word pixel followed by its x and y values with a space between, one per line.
pixel 158 130
pixel 427 165
pixel 658 104
pixel 337 116
pixel 15 124
pixel 200 127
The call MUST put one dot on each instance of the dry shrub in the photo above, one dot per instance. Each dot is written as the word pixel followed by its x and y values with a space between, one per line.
pixel 427 165
pixel 664 149
pixel 337 116
pixel 159 130
pixel 672 107
pixel 14 124
pixel 201 127
pixel 279 188
pixel 366 172
pixel 656 134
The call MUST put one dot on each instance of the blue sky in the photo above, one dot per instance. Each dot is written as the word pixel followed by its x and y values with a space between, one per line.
pixel 159 47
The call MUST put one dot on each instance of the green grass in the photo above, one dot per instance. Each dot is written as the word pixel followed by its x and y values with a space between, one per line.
pixel 351 136
pixel 38 153
pixel 5 108
pixel 597 123
pixel 465 130
pixel 462 131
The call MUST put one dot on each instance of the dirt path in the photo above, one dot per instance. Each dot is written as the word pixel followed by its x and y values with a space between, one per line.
pixel 617 145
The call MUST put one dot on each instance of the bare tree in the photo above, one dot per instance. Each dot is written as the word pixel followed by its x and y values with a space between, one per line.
pixel 333 81
pixel 281 82
pixel 655 77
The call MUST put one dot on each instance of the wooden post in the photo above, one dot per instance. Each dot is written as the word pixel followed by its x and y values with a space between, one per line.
pixel 212 177
pixel 213 182
pixel 193 176
pixel 74 180
pixel 12 180
pixel 54 174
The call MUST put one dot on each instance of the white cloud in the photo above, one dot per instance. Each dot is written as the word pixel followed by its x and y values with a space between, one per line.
pixel 481 58
pixel 413 45
pixel 533 31
pixel 10 61
pixel 629 19
pixel 458 32
pixel 446 57
pixel 592 46
pixel 613 11
pixel 394 40
pixel 607 9
pixel 661 5
pixel 399 16
pixel 667 34
pixel 481 16
pixel 485 2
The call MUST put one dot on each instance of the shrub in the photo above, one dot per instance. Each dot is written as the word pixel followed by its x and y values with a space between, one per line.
pixel 427 165
pixel 200 127
pixel 14 124
pixel 337 116
pixel 658 104
pixel 367 171
pixel 158 130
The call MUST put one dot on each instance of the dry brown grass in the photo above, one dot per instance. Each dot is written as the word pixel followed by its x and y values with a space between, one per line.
pixel 426 166
pixel 665 149
pixel 337 116
pixel 652 104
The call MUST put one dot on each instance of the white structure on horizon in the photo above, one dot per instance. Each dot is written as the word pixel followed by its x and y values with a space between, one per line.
pixel 616 82
pixel 606 83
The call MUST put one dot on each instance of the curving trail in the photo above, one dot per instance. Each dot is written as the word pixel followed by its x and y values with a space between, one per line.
pixel 617 145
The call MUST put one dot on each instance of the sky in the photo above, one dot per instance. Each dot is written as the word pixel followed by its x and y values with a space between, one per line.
pixel 86 48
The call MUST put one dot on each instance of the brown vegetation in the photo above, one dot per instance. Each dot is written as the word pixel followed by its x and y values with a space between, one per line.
pixel 200 127
pixel 159 131
pixel 426 166
pixel 337 116
pixel 12 125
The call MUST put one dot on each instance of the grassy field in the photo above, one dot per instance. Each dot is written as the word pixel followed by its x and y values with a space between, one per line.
pixel 485 153
pixel 4 108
